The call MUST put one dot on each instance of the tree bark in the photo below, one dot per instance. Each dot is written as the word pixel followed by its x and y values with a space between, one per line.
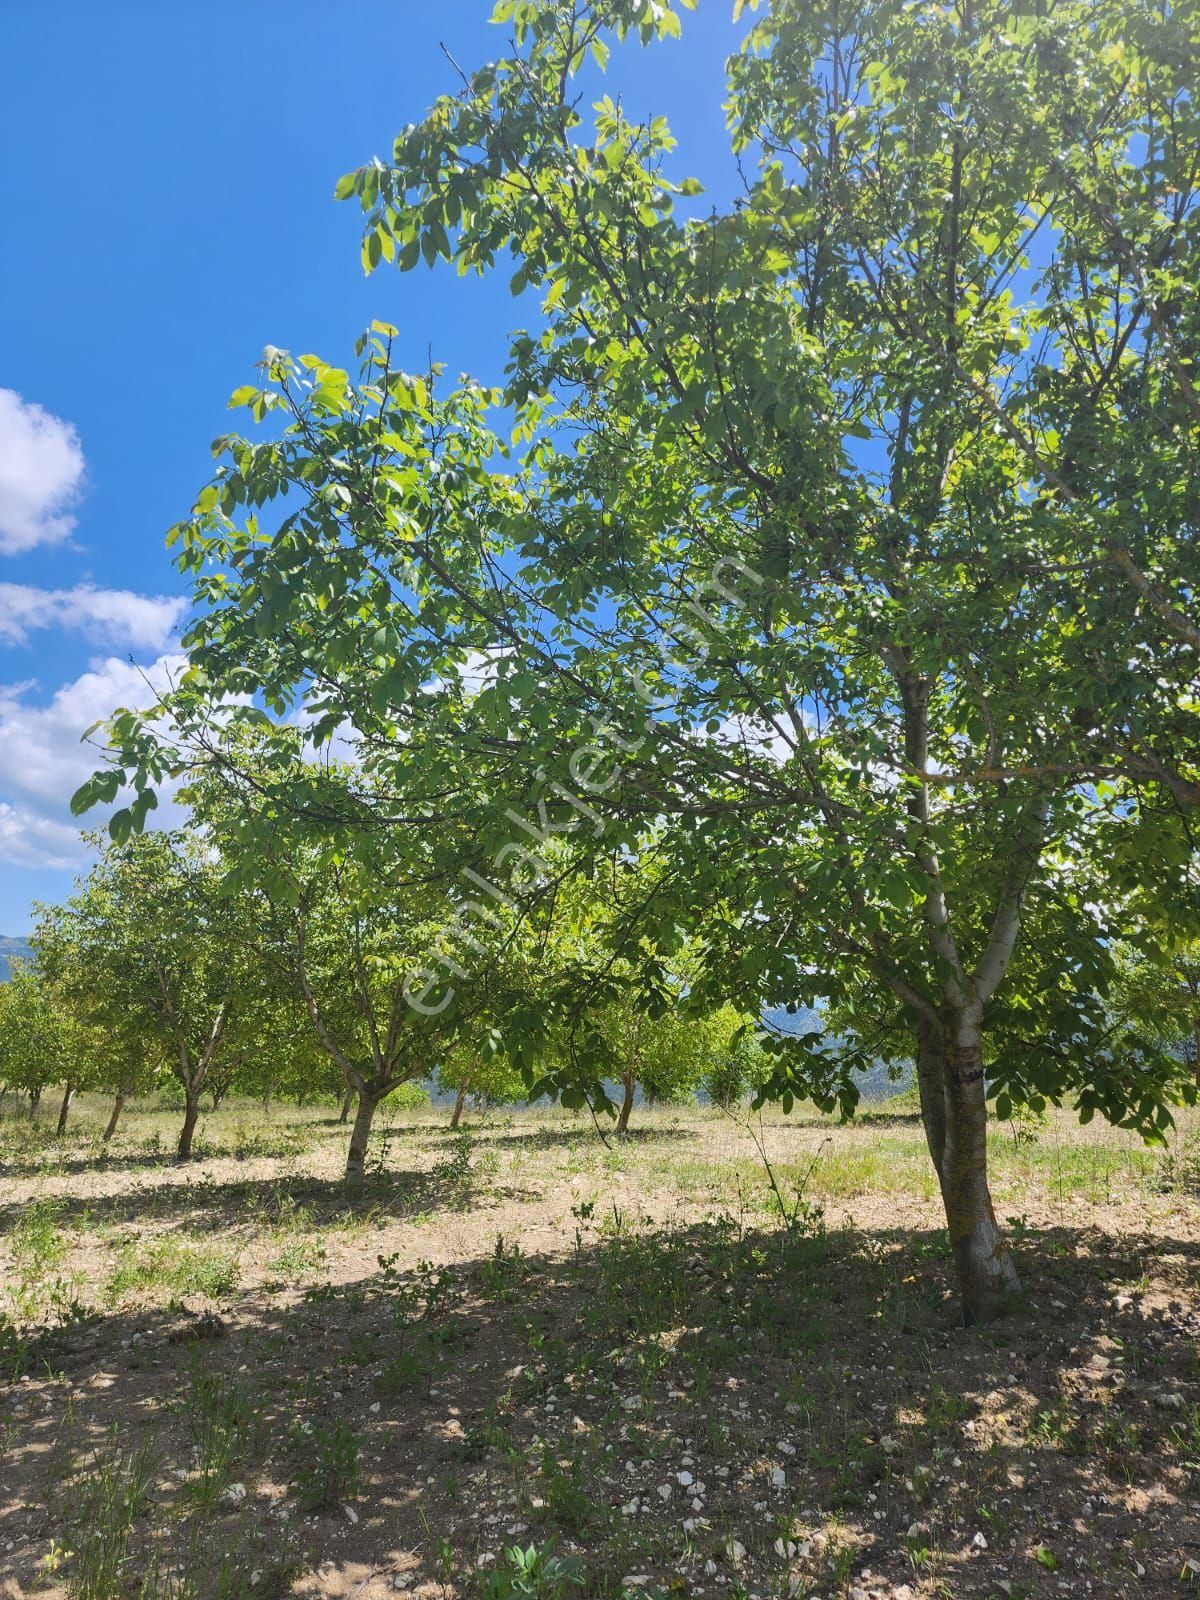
pixel 626 1105
pixel 458 1106
pixel 35 1100
pixel 64 1109
pixel 347 1102
pixel 191 1116
pixel 118 1106
pixel 987 1277
pixel 356 1156
pixel 931 1086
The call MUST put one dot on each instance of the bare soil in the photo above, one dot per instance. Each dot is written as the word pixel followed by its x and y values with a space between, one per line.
pixel 528 1337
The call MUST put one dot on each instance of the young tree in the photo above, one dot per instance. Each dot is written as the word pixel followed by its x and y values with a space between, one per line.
pixel 165 960
pixel 483 1071
pixel 36 1044
pixel 741 1065
pixel 107 1049
pixel 668 1055
pixel 1155 1001
pixel 342 917
pixel 846 567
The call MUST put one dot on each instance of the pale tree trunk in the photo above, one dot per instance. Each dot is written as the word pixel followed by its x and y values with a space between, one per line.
pixel 459 1102
pixel 626 1105
pixel 35 1100
pixel 122 1095
pixel 987 1277
pixel 360 1134
pixel 64 1109
pixel 950 1033
pixel 347 1102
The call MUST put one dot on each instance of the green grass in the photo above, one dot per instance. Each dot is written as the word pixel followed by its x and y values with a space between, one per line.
pixel 170 1269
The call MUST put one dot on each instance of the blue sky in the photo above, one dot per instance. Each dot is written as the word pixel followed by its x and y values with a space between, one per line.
pixel 166 184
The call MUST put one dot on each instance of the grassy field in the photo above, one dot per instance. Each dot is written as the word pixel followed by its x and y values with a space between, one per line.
pixel 646 1363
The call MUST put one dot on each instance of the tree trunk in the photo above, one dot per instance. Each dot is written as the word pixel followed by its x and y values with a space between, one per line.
pixel 356 1156
pixel 266 1105
pixel 191 1116
pixel 626 1106
pixel 931 1086
pixel 35 1100
pixel 1196 1049
pixel 347 1102
pixel 64 1109
pixel 458 1106
pixel 987 1277
pixel 118 1107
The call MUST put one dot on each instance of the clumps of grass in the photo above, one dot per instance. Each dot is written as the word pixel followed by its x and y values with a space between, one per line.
pixel 111 1493
pixel 566 1501
pixel 327 1472
pixel 189 1567
pixel 297 1258
pixel 169 1269
pixel 40 1288
pixel 1178 1172
pixel 224 1422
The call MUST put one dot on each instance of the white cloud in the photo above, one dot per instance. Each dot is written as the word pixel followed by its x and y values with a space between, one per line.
pixel 41 471
pixel 108 616
pixel 771 739
pixel 43 762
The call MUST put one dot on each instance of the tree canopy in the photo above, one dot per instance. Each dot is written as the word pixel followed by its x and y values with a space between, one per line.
pixel 832 549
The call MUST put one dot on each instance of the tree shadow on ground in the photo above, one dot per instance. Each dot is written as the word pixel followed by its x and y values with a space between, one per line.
pixel 198 1203
pixel 571 1138
pixel 823 1374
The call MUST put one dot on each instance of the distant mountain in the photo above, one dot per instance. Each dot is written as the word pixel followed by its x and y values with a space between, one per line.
pixel 876 1083
pixel 12 949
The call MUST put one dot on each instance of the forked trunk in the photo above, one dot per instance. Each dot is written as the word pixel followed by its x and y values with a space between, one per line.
pixel 118 1106
pixel 626 1106
pixel 191 1116
pixel 987 1277
pixel 356 1157
pixel 460 1101
pixel 64 1109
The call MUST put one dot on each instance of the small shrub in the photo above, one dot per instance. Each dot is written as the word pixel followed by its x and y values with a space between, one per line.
pixel 401 1372
pixel 532 1574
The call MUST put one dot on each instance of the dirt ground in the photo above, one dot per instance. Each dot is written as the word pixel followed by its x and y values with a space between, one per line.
pixel 638 1359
